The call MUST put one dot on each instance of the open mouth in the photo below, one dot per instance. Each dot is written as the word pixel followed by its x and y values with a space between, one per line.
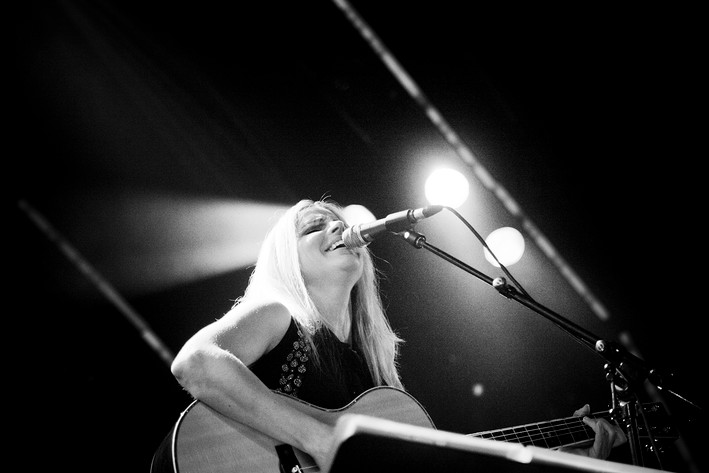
pixel 336 245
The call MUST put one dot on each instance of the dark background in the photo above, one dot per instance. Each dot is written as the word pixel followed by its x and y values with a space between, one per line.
pixel 589 116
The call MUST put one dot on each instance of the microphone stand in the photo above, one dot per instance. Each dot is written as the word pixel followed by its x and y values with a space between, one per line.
pixel 624 371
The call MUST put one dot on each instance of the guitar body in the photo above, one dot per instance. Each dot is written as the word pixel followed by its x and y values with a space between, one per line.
pixel 204 441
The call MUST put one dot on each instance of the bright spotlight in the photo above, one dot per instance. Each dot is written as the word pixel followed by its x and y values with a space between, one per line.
pixel 478 389
pixel 149 242
pixel 508 245
pixel 356 213
pixel 447 187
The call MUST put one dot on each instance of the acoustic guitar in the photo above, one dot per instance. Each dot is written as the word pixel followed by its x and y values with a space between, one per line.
pixel 204 441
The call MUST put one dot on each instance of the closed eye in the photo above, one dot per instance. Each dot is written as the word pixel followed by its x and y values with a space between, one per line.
pixel 312 229
pixel 313 226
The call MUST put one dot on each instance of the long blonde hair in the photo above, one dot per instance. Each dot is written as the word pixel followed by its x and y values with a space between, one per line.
pixel 277 275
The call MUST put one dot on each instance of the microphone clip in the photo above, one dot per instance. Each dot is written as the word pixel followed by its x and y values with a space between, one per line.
pixel 503 287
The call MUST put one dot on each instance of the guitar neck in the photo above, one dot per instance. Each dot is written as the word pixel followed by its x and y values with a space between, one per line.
pixel 552 434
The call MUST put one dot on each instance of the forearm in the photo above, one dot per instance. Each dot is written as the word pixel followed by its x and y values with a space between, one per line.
pixel 223 382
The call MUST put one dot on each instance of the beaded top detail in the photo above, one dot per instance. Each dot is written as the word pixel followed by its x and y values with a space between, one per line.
pixel 294 367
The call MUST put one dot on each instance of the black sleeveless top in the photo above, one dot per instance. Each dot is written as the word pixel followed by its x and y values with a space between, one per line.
pixel 341 375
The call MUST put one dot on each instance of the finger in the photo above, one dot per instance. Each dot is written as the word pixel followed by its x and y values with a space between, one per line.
pixel 619 437
pixel 586 409
pixel 616 435
pixel 601 442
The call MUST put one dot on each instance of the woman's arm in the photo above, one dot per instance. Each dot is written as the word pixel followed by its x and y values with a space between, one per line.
pixel 213 367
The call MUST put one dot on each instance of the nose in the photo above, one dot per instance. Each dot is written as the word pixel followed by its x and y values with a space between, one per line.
pixel 336 226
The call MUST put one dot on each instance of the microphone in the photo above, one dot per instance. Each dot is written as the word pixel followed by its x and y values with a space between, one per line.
pixel 362 234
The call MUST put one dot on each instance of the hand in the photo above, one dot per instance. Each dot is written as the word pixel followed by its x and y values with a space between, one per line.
pixel 607 436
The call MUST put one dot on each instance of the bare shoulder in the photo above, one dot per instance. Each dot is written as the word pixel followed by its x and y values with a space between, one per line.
pixel 268 315
pixel 259 325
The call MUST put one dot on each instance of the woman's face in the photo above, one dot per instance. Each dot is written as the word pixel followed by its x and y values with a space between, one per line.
pixel 323 256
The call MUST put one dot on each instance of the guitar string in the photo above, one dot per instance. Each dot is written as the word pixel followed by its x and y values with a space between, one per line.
pixel 575 421
pixel 540 433
pixel 553 430
pixel 547 441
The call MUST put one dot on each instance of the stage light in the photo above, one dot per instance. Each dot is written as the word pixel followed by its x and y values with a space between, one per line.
pixel 447 187
pixel 478 389
pixel 356 213
pixel 144 242
pixel 180 239
pixel 508 245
